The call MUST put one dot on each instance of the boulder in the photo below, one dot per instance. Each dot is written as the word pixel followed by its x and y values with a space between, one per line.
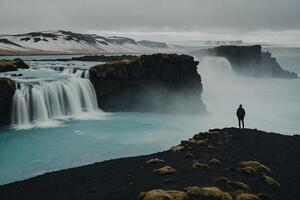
pixel 236 185
pixel 7 88
pixel 149 83
pixel 12 65
pixel 253 166
pixel 214 162
pixel 159 194
pixel 268 180
pixel 207 192
pixel 155 160
pixel 247 196
pixel 197 165
pixel 164 170
pixel 20 63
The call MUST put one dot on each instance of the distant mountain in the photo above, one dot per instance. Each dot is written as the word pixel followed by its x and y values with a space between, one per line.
pixel 219 43
pixel 67 42
pixel 210 43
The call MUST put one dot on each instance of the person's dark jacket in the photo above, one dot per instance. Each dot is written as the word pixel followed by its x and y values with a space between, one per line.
pixel 240 113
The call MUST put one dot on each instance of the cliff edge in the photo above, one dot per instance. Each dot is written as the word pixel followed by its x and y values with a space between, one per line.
pixel 149 83
pixel 251 61
pixel 7 88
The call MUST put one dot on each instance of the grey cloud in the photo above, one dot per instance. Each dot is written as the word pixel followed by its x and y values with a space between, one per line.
pixel 149 15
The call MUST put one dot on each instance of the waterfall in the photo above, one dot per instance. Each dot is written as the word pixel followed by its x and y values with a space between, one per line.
pixel 20 108
pixel 83 73
pixel 46 100
pixel 221 87
pixel 218 67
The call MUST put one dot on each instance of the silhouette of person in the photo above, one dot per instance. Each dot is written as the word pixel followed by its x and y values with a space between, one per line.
pixel 241 114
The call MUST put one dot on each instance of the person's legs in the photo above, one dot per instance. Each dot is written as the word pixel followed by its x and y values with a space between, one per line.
pixel 243 123
pixel 239 123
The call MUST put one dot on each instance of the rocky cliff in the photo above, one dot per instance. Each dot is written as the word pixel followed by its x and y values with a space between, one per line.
pixel 7 88
pixel 149 83
pixel 251 61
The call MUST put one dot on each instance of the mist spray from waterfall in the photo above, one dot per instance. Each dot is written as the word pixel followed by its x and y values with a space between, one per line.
pixel 220 85
pixel 267 101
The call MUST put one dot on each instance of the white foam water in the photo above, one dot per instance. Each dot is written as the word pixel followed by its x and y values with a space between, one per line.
pixel 42 102
pixel 83 73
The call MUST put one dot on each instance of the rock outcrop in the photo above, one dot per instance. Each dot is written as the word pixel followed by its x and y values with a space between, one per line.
pixel 149 83
pixel 12 65
pixel 7 88
pixel 251 61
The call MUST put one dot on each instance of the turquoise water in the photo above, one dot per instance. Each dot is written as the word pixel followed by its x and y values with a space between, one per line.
pixel 26 153
pixel 271 105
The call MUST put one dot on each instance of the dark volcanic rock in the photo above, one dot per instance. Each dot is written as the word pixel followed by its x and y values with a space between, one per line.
pixel 37 39
pixel 38 34
pixel 7 65
pixel 126 178
pixel 20 63
pixel 251 61
pixel 149 83
pixel 6 41
pixel 93 58
pixel 102 58
pixel 120 40
pixel 7 88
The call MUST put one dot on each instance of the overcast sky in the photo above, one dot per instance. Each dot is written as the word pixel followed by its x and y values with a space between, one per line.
pixel 158 19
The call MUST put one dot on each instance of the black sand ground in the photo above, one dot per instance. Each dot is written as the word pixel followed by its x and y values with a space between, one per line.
pixel 125 178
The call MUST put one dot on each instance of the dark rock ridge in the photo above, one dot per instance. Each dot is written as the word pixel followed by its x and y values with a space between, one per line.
pixel 12 65
pixel 7 88
pixel 92 58
pixel 251 61
pixel 231 164
pixel 6 41
pixel 103 58
pixel 121 40
pixel 149 83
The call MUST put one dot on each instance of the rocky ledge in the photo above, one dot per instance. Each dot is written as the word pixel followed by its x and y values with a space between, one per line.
pixel 12 65
pixel 93 58
pixel 7 88
pixel 149 83
pixel 221 164
pixel 251 61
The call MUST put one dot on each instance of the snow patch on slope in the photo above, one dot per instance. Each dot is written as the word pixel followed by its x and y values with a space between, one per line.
pixel 68 42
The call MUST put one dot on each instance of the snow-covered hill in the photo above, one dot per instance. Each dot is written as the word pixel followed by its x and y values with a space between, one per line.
pixel 66 42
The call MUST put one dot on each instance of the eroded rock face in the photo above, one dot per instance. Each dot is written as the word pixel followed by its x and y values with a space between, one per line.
pixel 7 88
pixel 149 83
pixel 12 65
pixel 251 61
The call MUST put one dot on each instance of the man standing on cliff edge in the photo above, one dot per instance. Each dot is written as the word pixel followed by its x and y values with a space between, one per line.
pixel 241 114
